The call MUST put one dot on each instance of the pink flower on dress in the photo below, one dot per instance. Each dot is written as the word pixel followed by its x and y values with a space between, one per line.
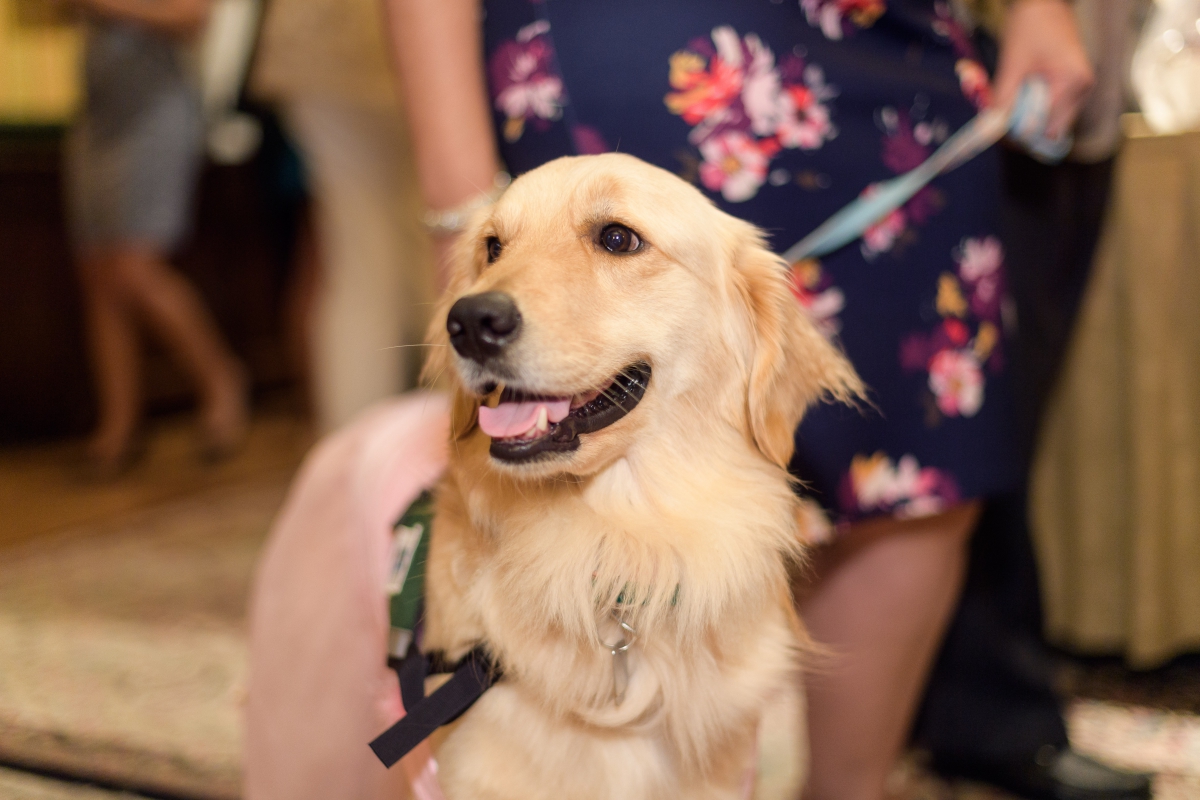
pixel 823 307
pixel 803 122
pixel 969 336
pixel 786 103
pixel 974 82
pixel 734 164
pixel 525 83
pixel 760 94
pixel 834 17
pixel 906 489
pixel 979 258
pixel 973 79
pixel 817 295
pixel 881 235
pixel 956 380
pixel 735 96
pixel 979 267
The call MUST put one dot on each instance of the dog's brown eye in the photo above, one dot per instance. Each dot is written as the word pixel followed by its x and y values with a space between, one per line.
pixel 493 248
pixel 619 239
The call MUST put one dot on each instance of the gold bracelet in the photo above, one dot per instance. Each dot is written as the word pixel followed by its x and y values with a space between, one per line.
pixel 453 220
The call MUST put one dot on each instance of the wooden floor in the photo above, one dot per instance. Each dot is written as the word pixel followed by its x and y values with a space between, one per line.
pixel 43 488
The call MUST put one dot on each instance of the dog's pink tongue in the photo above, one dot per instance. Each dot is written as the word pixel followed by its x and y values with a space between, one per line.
pixel 513 419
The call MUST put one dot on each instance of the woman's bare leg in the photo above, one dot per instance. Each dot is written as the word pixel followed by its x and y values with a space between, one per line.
pixel 116 361
pixel 176 313
pixel 882 610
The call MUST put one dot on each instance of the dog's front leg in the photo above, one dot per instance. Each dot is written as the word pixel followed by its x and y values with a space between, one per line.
pixel 453 623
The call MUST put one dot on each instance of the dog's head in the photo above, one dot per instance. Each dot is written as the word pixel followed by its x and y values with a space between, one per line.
pixel 602 302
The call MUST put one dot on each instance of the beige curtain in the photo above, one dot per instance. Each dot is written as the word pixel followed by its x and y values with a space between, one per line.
pixel 1116 485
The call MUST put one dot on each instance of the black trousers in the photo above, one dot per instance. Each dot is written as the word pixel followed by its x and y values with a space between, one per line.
pixel 990 696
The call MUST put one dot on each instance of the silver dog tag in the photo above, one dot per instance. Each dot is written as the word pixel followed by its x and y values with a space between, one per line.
pixel 620 675
pixel 620 657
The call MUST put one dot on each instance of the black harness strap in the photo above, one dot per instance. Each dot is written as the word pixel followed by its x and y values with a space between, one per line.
pixel 472 677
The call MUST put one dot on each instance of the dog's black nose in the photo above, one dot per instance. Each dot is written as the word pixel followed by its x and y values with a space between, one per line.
pixel 482 325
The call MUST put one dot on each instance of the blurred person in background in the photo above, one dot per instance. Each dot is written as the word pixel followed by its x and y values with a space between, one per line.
pixel 132 164
pixel 991 711
pixel 785 112
pixel 325 64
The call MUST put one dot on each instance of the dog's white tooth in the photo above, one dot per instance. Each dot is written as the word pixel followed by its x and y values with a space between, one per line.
pixel 493 399
pixel 543 421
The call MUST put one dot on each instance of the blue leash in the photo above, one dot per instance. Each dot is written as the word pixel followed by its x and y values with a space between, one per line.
pixel 1026 123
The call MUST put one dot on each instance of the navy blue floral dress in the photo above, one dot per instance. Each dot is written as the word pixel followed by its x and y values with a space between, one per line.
pixel 783 111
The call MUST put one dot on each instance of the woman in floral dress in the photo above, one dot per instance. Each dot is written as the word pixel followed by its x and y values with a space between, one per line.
pixel 783 112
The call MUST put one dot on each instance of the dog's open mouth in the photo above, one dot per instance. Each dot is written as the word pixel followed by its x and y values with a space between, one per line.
pixel 524 426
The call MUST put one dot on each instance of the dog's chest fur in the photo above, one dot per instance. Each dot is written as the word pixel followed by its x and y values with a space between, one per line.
pixel 536 573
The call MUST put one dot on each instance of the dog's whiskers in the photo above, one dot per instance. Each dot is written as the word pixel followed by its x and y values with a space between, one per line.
pixel 398 346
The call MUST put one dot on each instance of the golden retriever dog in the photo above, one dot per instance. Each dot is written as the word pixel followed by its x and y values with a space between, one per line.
pixel 616 522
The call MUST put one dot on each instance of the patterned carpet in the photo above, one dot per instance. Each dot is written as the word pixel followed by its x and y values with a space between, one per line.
pixel 1135 737
pixel 1131 737
pixel 124 647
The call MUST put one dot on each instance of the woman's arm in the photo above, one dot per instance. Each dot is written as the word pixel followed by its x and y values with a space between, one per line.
pixel 1040 38
pixel 438 49
pixel 176 17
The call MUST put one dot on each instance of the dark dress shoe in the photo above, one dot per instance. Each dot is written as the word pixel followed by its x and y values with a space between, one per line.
pixel 1052 775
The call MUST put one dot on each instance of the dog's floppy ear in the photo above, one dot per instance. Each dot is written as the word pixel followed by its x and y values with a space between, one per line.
pixel 794 365
pixel 438 371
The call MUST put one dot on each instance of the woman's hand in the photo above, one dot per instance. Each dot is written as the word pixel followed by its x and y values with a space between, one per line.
pixel 1041 38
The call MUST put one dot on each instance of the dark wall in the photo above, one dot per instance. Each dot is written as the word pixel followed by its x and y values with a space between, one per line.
pixel 237 257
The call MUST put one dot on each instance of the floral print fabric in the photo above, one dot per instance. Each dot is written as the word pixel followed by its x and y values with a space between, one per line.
pixel 837 18
pixel 905 145
pixel 904 489
pixel 954 354
pixel 744 108
pixel 524 80
pixel 783 112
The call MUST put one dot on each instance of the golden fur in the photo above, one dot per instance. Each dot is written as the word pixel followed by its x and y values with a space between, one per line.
pixel 684 504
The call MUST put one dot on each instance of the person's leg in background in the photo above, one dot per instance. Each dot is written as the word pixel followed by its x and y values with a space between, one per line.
pixel 879 601
pixel 990 711
pixel 115 356
pixel 131 165
pixel 373 292
pixel 127 283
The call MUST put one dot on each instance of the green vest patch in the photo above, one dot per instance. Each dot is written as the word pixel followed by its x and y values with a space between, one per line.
pixel 406 579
